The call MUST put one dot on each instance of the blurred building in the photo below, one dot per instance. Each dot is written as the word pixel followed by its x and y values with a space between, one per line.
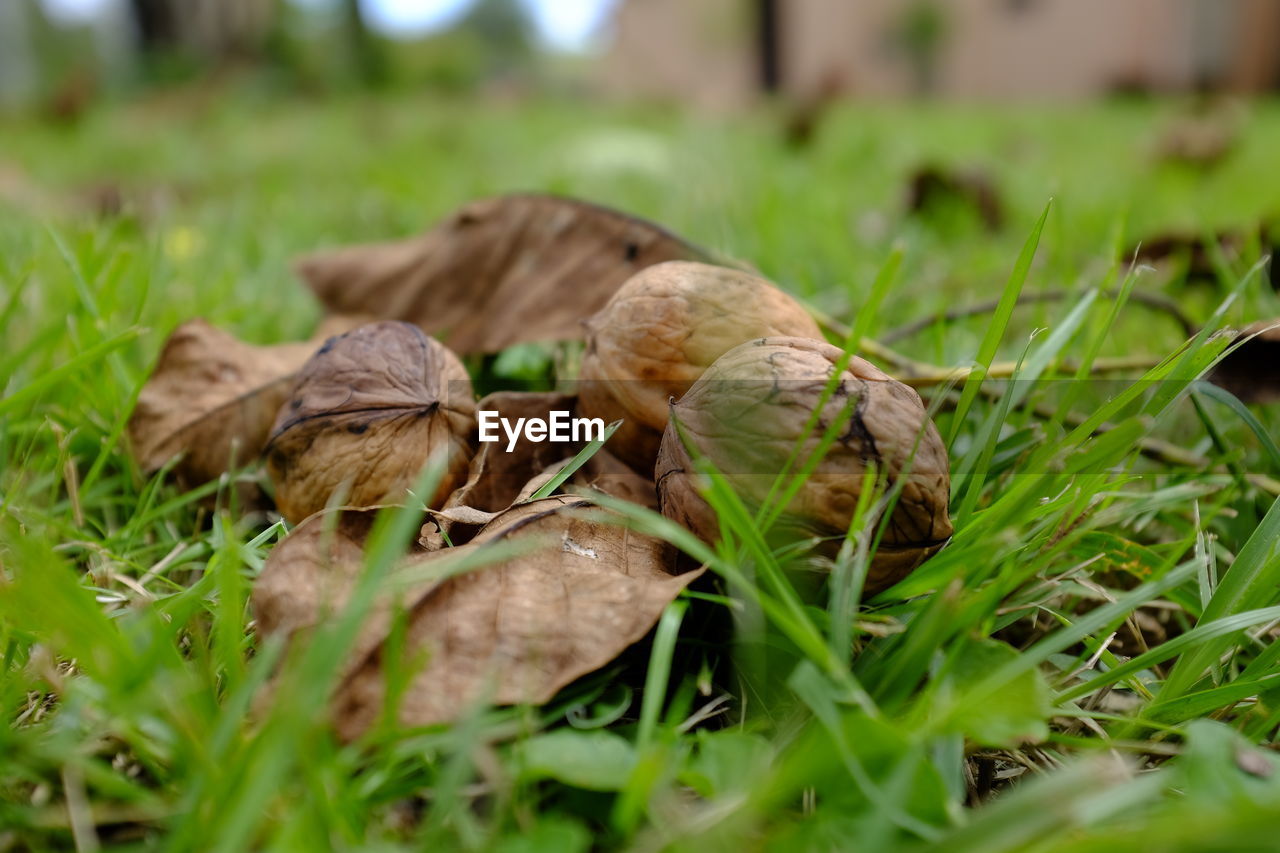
pixel 726 51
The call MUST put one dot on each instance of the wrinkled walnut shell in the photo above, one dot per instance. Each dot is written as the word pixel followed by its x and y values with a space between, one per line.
pixel 368 411
pixel 657 335
pixel 745 416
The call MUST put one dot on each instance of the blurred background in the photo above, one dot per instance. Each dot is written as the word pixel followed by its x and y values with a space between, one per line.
pixel 220 139
pixel 711 53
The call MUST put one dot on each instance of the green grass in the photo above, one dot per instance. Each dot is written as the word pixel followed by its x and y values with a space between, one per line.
pixel 1090 664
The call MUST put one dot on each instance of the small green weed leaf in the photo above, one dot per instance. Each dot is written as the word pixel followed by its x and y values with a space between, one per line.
pixel 595 760
pixel 1221 765
pixel 727 761
pixel 548 835
pixel 1017 713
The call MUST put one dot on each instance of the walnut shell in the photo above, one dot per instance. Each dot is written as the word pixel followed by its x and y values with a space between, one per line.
pixel 367 412
pixel 660 331
pixel 745 415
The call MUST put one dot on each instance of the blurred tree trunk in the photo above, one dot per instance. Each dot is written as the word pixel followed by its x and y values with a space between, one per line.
pixel 768 27
pixel 156 24
pixel 211 29
pixel 1254 59
pixel 367 57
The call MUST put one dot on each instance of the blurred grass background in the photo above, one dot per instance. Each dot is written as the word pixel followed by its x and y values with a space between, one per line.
pixel 217 191
pixel 194 204
pixel 130 663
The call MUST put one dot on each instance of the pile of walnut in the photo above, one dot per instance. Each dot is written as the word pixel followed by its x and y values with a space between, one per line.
pixel 697 362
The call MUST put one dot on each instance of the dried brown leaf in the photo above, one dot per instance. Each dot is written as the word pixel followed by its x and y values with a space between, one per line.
pixel 1196 251
pixel 497 272
pixel 609 474
pixel 1203 136
pixel 465 515
pixel 368 411
pixel 500 477
pixel 313 572
pixel 521 630
pixel 497 475
pixel 212 399
pixel 1251 371
pixel 578 593
pixel 931 187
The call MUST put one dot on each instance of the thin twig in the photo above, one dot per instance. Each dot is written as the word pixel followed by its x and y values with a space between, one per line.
pixel 1154 301
pixel 79 815
pixel 163 565
pixel 922 374
pixel 929 376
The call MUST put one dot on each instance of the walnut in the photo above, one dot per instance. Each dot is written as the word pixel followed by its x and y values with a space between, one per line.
pixel 748 410
pixel 367 412
pixel 660 331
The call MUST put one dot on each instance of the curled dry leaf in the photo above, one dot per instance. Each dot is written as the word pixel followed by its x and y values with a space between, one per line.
pixel 1203 136
pixel 749 409
pixel 519 631
pixel 500 477
pixel 931 187
pixel 578 592
pixel 212 398
pixel 1251 370
pixel 497 272
pixel 609 474
pixel 313 572
pixel 660 331
pixel 1196 252
pixel 368 411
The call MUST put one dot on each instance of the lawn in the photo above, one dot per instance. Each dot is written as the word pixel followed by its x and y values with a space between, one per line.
pixel 1089 664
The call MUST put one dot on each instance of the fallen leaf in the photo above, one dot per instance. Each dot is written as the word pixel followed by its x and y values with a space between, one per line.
pixel 465 515
pixel 212 398
pixel 1196 251
pixel 497 272
pixel 931 187
pixel 497 475
pixel 609 474
pixel 1203 136
pixel 500 477
pixel 515 631
pixel 368 411
pixel 520 630
pixel 1250 369
pixel 312 573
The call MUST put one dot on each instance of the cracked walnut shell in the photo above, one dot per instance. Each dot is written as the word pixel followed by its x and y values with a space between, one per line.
pixel 748 410
pixel 367 413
